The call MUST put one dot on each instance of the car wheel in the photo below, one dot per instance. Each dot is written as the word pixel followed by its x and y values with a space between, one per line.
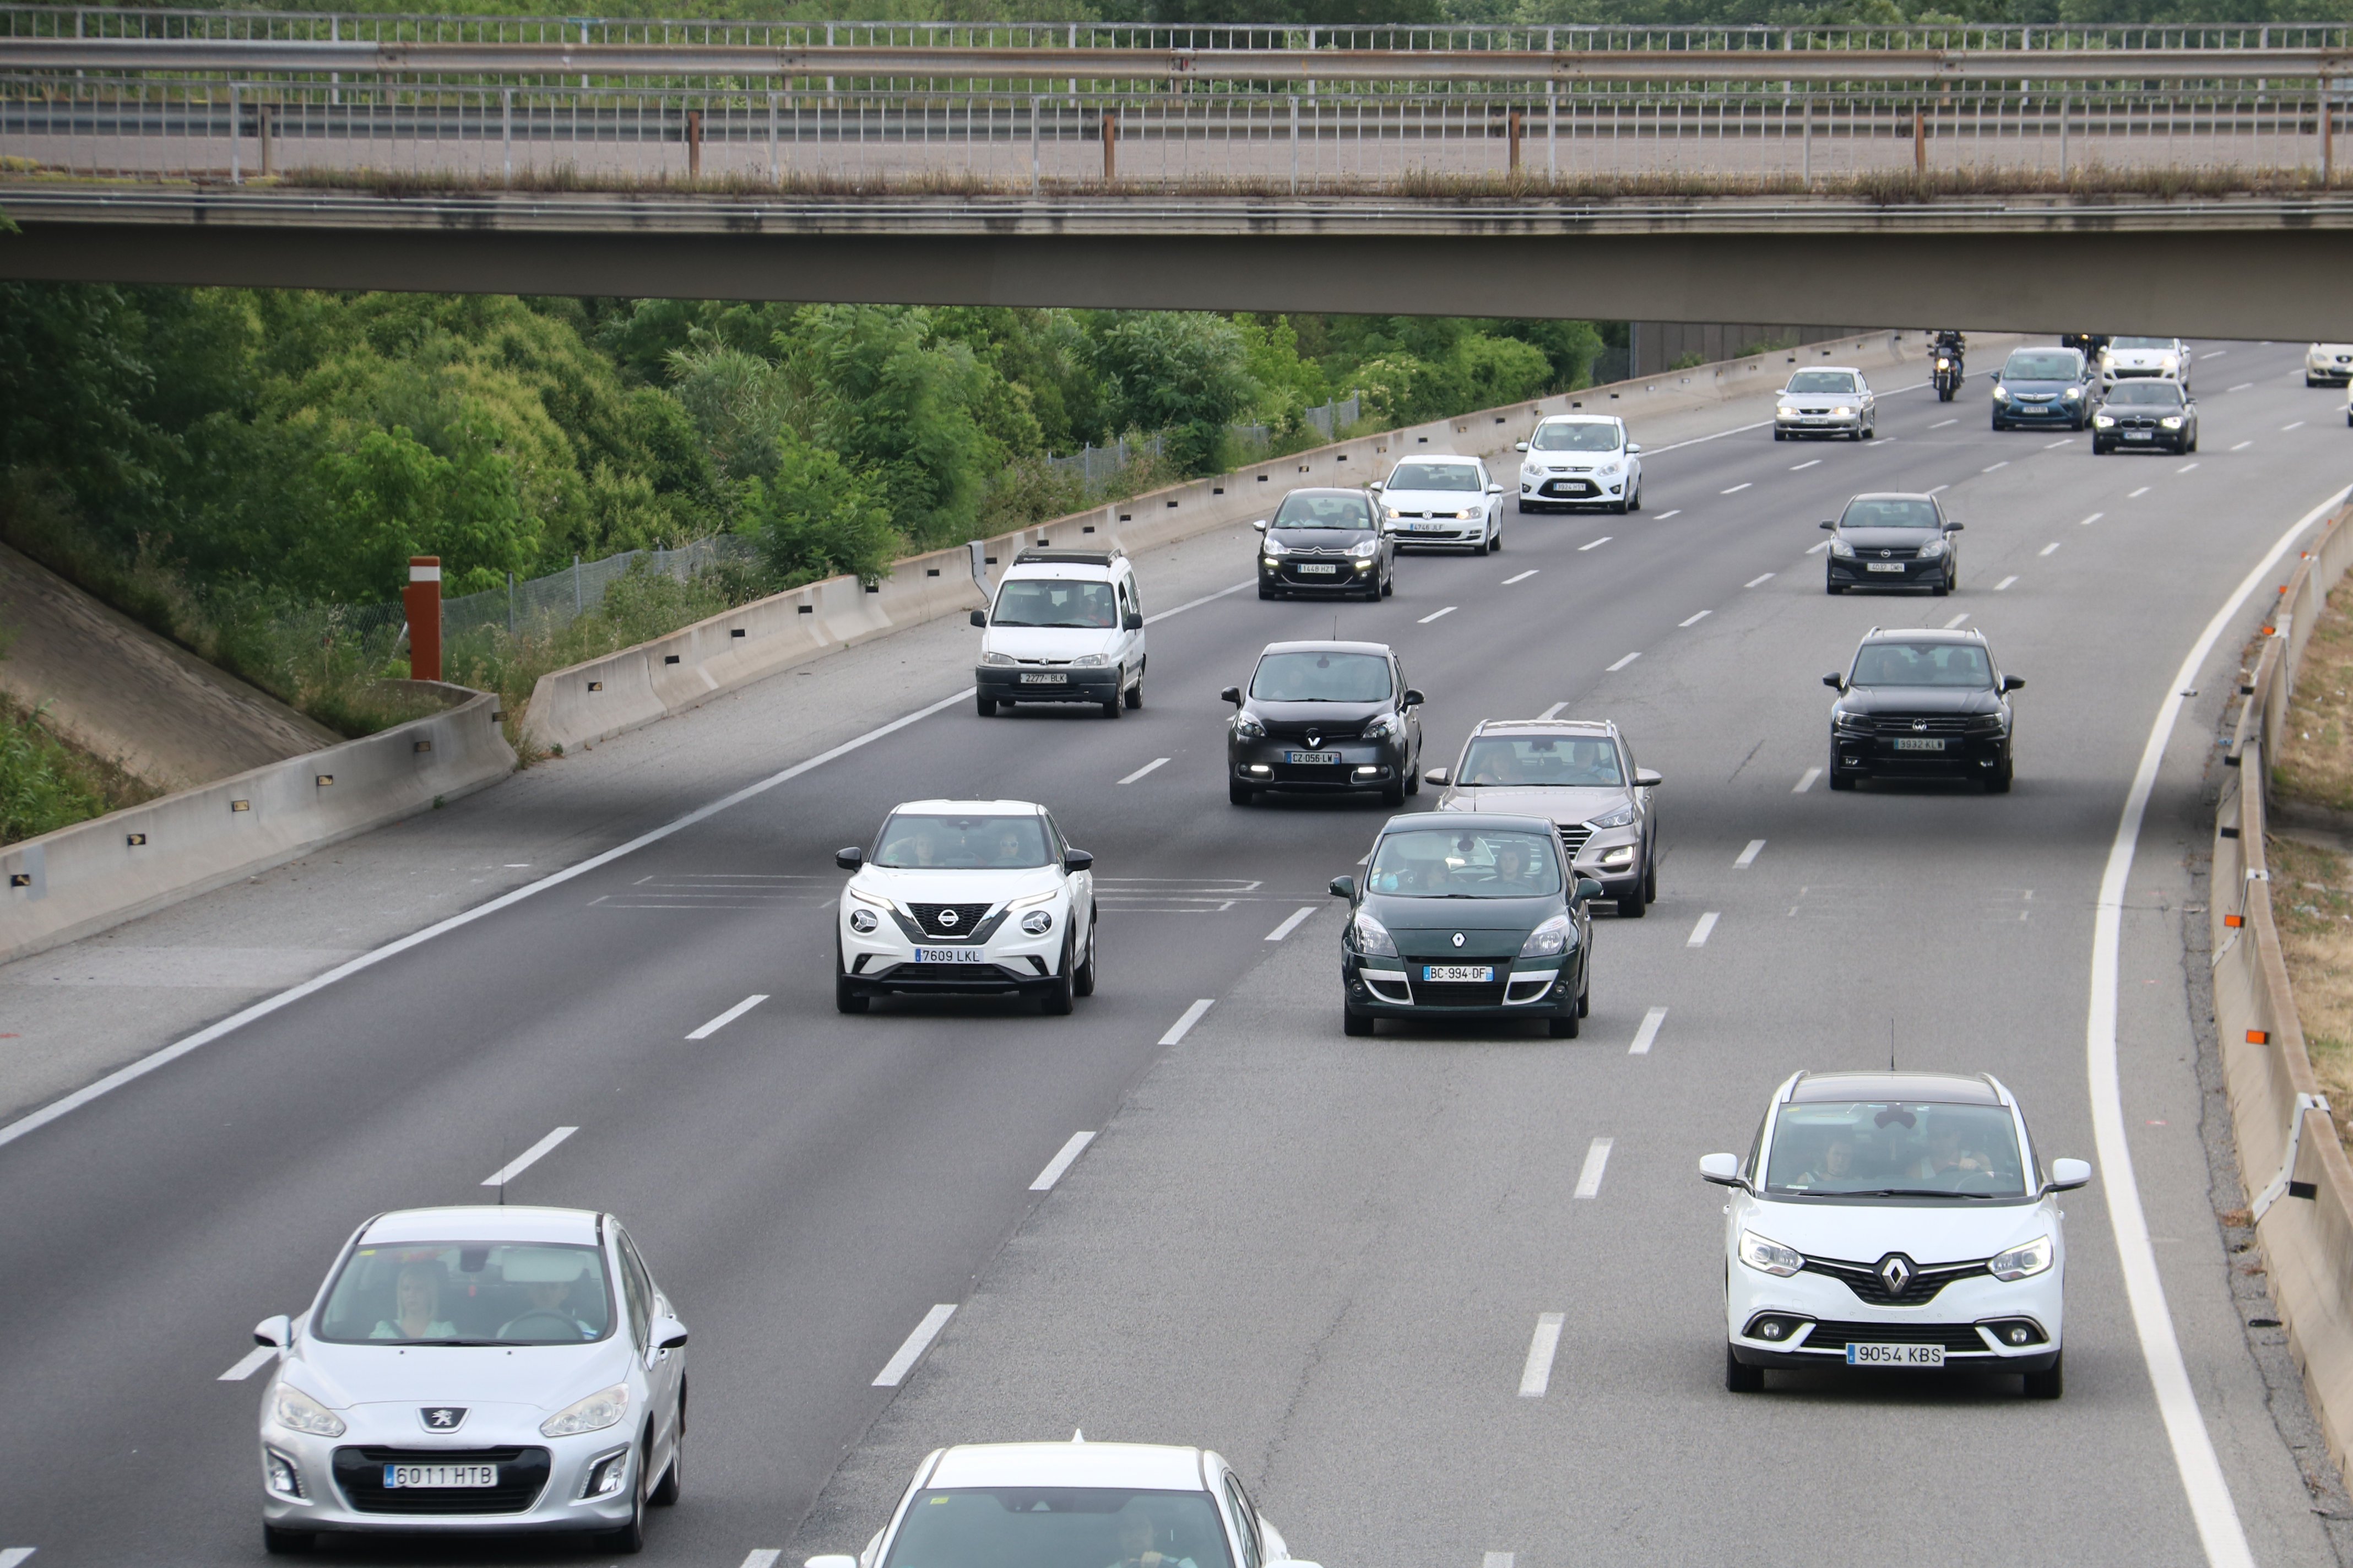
pixel 1739 1379
pixel 1056 1001
pixel 1585 997
pixel 1840 780
pixel 1831 587
pixel 1115 707
pixel 2099 447
pixel 2193 442
pixel 1870 433
pixel 1634 501
pixel 1412 777
pixel 1266 593
pixel 2049 1384
pixel 630 1539
pixel 1649 880
pixel 1997 425
pixel 1239 793
pixel 1388 586
pixel 1356 1025
pixel 673 1481
pixel 1998 782
pixel 846 998
pixel 1136 694
pixel 1780 435
pixel 1633 906
pixel 1562 1027
pixel 1939 590
pixel 1084 982
pixel 986 705
pixel 1618 507
pixel 285 1542
pixel 1393 794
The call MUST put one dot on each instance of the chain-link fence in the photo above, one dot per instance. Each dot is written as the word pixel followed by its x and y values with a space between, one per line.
pixel 1096 465
pixel 541 604
pixel 1336 415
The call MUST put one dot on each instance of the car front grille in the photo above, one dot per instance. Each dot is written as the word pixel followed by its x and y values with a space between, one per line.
pixel 1572 840
pixel 948 973
pixel 1455 993
pixel 1894 553
pixel 1313 773
pixel 522 1475
pixel 933 919
pixel 1569 490
pixel 1862 1278
pixel 1960 1337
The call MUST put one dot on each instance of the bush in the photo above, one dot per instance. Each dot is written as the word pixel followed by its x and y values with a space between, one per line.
pixel 46 785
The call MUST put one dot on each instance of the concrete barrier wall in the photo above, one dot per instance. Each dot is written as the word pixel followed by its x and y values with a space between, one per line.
pixel 95 874
pixel 2305 1231
pixel 620 691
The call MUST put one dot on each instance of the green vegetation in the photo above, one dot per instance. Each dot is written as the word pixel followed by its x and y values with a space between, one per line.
pixel 46 784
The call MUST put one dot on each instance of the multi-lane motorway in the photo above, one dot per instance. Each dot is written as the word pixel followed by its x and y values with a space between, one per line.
pixel 1332 1259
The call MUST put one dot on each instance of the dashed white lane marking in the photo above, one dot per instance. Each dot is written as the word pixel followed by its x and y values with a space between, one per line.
pixel 1940 424
pixel 1699 935
pixel 1061 1162
pixel 2004 582
pixel 2091 520
pixel 1597 1160
pixel 1522 577
pixel 1645 1037
pixel 1956 620
pixel 1190 1016
pixel 1664 515
pixel 2049 549
pixel 1623 662
pixel 1436 615
pixel 528 1158
pixel 761 1557
pixel 253 1360
pixel 2241 387
pixel 2185 467
pixel 1553 711
pixel 1754 582
pixel 2298 426
pixel 2212 353
pixel 2242 446
pixel 2138 493
pixel 1535 1376
pixel 1748 857
pixel 1797 467
pixel 1737 488
pixel 896 1369
pixel 12 1555
pixel 1597 543
pixel 1290 923
pixel 1818 548
pixel 1933 488
pixel 1154 763
pixel 1496 1560
pixel 2054 445
pixel 728 1017
pixel 2003 464
pixel 1694 620
pixel 1805 780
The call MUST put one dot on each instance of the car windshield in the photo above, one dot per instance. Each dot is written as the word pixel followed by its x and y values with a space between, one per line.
pixel 962 843
pixel 1891 513
pixel 1324 511
pixel 1823 381
pixel 1541 760
pixel 2049 364
pixel 1922 664
pixel 1322 678
pixel 1434 476
pixel 1581 436
pixel 1055 601
pixel 1058 1527
pixel 1899 1148
pixel 1457 863
pixel 470 1293
pixel 2140 342
pixel 2164 393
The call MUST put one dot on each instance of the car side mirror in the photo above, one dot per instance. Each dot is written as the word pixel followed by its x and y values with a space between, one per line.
pixel 1953 527
pixel 1832 526
pixel 1835 682
pixel 1232 694
pixel 2066 1175
pixel 669 1334
pixel 1647 778
pixel 1723 1170
pixel 1435 775
pixel 1494 489
pixel 1076 860
pixel 1377 484
pixel 1519 445
pixel 1633 447
pixel 276 1332
pixel 1413 698
pixel 842 1560
pixel 850 859
pixel 980 617
pixel 1588 889
pixel 1134 623
pixel 2013 683
pixel 1343 888
pixel 1260 525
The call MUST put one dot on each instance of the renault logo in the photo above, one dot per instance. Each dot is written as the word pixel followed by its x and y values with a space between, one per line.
pixel 948 916
pixel 1919 724
pixel 1895 1272
pixel 1458 939
pixel 1313 739
pixel 443 1417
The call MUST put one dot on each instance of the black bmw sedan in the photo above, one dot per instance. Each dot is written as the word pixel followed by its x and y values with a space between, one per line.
pixel 1894 541
pixel 2146 416
pixel 1467 916
pixel 1922 704
pixel 1326 542
pixel 1324 716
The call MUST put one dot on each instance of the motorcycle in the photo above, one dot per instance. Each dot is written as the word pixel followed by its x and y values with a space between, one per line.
pixel 1948 374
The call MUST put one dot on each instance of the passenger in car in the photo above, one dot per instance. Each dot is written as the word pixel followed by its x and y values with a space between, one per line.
pixel 416 1297
pixel 1835 1165
pixel 1136 1549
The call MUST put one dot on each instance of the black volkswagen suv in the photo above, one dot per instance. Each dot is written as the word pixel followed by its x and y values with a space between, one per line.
pixel 1326 542
pixel 1324 716
pixel 1922 704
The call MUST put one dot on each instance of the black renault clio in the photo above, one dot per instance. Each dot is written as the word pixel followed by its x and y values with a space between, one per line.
pixel 1468 915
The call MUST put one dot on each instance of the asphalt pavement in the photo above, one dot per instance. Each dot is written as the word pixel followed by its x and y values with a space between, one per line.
pixel 1324 1257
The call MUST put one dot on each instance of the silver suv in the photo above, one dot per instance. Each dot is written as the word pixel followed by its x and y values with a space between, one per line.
pixel 1580 775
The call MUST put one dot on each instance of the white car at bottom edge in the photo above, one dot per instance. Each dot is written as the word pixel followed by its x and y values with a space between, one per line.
pixel 1073 1505
pixel 1895 1221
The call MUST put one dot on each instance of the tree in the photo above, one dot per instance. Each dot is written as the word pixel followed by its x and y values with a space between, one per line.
pixel 1182 372
pixel 815 516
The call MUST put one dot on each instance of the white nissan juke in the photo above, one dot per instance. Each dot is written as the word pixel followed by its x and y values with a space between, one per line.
pixel 1894 1220
pixel 966 896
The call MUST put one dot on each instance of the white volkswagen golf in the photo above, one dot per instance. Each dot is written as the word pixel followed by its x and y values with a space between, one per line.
pixel 1896 1220
pixel 966 896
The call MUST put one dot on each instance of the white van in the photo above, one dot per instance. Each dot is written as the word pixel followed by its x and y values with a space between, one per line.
pixel 1066 627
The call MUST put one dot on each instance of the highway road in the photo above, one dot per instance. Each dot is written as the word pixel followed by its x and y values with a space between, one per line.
pixel 1324 1257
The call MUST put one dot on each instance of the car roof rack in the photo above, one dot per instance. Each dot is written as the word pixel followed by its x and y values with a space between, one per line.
pixel 1035 556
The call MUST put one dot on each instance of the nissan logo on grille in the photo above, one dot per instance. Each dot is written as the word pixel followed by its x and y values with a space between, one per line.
pixel 947 917
pixel 1895 1272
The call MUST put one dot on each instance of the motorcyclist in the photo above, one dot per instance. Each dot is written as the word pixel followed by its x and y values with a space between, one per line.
pixel 1949 344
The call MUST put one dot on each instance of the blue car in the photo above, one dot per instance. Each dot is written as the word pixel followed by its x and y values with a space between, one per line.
pixel 2043 388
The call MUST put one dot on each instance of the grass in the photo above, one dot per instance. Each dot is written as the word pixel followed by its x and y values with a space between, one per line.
pixel 2314 765
pixel 48 782
pixel 2312 902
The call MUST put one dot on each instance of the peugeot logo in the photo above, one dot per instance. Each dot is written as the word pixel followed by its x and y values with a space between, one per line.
pixel 1895 1272
pixel 1458 939
pixel 948 916
pixel 443 1417
pixel 1919 724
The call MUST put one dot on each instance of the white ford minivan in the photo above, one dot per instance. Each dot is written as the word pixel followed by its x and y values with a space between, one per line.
pixel 1066 627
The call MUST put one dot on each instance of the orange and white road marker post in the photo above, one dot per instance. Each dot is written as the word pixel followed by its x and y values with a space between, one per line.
pixel 422 600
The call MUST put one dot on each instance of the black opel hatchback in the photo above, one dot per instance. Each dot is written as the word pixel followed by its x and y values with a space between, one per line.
pixel 1467 915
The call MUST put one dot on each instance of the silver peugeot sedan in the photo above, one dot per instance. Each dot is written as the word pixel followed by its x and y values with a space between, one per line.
pixel 476 1370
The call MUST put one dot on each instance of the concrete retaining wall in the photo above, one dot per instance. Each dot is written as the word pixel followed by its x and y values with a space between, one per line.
pixel 95 874
pixel 2306 1232
pixel 620 691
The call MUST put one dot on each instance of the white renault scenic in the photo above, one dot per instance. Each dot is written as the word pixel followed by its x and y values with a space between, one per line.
pixel 1066 628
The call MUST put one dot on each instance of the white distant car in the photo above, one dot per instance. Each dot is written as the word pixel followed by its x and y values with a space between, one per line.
pixel 966 896
pixel 1073 1505
pixel 1828 400
pixel 1066 627
pixel 1580 459
pixel 1441 499
pixel 1894 1220
pixel 2167 359
pixel 2329 365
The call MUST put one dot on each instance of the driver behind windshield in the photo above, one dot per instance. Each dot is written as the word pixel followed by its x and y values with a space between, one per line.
pixel 416 1299
pixel 547 1277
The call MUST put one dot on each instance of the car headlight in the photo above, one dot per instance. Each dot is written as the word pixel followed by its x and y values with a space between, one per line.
pixel 1371 937
pixel 606 1407
pixel 2104 421
pixel 1276 547
pixel 1547 939
pixel 1785 413
pixel 1841 549
pixel 2072 393
pixel 2168 364
pixel 863 922
pixel 2172 422
pixel 1932 551
pixel 1470 514
pixel 1091 662
pixel 1611 466
pixel 1383 727
pixel 999 659
pixel 1768 1257
pixel 1371 547
pixel 1845 720
pixel 2021 1262
pixel 297 1412
pixel 1843 411
pixel 1038 923
pixel 1247 727
pixel 2000 392
pixel 1622 817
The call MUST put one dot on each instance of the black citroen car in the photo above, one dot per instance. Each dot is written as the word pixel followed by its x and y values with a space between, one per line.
pixel 1922 704
pixel 1468 915
pixel 1324 716
pixel 2043 388
pixel 1894 541
pixel 1326 542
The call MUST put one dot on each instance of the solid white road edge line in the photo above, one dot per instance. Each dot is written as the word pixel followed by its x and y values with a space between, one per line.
pixel 1623 662
pixel 2217 1516
pixel 1535 1375
pixel 1435 614
pixel 1191 1016
pixel 1805 780
pixel 527 1158
pixel 1648 1034
pixel 895 1370
pixel 1290 924
pixel 728 1017
pixel 1597 1160
pixel 1154 763
pixel 1061 1162
pixel 1695 620
pixel 1748 857
pixel 1701 931
pixel 253 1360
